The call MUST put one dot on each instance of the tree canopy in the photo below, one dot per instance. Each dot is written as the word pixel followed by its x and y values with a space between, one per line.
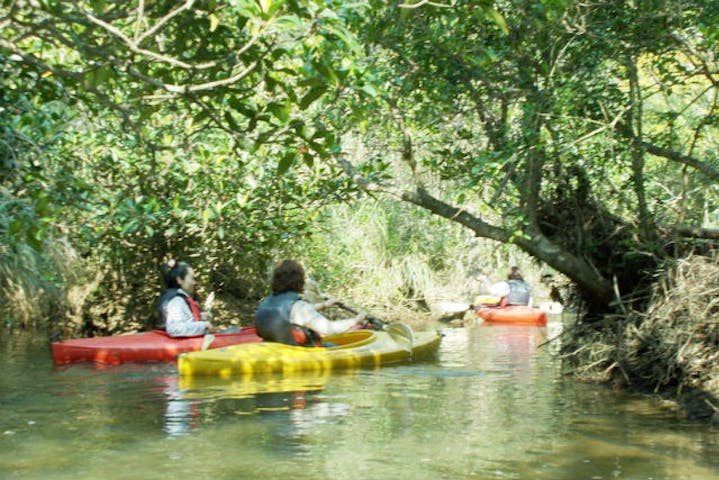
pixel 582 132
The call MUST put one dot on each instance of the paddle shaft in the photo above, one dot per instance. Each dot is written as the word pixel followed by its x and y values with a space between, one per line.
pixel 374 321
pixel 400 332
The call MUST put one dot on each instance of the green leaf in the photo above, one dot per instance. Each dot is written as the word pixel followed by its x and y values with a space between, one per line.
pixel 308 159
pixel 98 6
pixel 327 72
pixel 199 118
pixel 300 128
pixel 498 19
pixel 317 147
pixel 311 96
pixel 265 5
pixel 369 90
pixel 285 163
pixel 214 22
pixel 242 108
pixel 281 111
pixel 232 122
pixel 289 23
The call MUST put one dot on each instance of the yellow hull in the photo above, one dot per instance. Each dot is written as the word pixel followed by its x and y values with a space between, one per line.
pixel 354 349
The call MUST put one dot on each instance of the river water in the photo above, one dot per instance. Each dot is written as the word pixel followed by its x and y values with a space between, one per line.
pixel 493 404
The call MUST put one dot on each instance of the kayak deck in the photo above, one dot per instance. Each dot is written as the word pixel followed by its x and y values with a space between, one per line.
pixel 353 349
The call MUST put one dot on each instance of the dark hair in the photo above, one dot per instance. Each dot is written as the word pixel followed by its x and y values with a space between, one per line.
pixel 172 270
pixel 289 276
pixel 514 274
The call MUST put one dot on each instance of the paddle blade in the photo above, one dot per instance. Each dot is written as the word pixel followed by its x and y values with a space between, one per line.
pixel 402 334
pixel 207 341
pixel 209 301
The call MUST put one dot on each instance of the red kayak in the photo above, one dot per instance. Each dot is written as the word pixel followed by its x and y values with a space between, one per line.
pixel 512 315
pixel 153 346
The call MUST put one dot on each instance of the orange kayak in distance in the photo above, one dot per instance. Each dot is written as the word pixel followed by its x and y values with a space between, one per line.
pixel 512 315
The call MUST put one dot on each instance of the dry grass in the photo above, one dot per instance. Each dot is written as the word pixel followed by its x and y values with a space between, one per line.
pixel 26 297
pixel 672 348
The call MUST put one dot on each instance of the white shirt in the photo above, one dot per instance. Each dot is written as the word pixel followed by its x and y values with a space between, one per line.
pixel 305 315
pixel 180 322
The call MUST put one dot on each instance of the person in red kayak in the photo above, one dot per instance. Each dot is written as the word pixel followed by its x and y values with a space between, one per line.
pixel 285 317
pixel 519 291
pixel 180 314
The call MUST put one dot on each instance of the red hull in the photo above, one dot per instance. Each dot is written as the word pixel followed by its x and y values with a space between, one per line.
pixel 513 315
pixel 154 346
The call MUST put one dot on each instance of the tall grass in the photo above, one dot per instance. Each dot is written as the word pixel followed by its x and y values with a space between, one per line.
pixel 43 289
pixel 27 293
pixel 385 257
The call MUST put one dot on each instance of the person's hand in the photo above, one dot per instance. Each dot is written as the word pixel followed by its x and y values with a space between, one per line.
pixel 361 317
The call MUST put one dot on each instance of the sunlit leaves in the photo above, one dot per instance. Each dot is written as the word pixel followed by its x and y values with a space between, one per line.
pixel 498 19
pixel 254 48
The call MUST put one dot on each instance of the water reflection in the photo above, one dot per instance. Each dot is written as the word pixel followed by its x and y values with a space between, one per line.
pixel 264 394
pixel 493 404
pixel 181 415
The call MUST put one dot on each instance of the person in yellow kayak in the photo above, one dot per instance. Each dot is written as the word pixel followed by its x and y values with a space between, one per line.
pixel 285 317
pixel 180 314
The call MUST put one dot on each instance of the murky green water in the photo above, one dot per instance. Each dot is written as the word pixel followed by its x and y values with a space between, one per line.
pixel 490 406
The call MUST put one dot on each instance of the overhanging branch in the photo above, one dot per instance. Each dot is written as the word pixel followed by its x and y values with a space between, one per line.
pixel 533 242
pixel 692 232
pixel 674 156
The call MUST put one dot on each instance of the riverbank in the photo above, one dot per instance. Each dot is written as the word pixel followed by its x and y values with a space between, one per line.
pixel 671 350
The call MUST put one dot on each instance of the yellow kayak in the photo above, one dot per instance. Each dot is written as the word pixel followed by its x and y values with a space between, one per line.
pixel 353 349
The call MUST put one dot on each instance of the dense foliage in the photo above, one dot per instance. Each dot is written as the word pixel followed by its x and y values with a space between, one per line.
pixel 144 130
pixel 584 133
pixel 588 128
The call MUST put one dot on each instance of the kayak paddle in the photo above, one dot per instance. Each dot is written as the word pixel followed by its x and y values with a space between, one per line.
pixel 209 338
pixel 400 332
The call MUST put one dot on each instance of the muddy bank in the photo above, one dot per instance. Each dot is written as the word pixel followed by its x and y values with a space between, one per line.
pixel 671 350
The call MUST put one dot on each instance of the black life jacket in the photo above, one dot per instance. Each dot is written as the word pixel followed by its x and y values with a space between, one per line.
pixel 272 321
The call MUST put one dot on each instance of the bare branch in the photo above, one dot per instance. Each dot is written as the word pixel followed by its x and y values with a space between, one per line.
pixel 358 179
pixel 160 23
pixel 142 51
pixel 424 2
pixel 210 85
pixel 692 232
pixel 704 62
pixel 610 126
pixel 140 19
